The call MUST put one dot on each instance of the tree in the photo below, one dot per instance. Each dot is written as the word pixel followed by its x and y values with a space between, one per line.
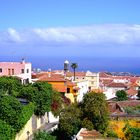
pixel 42 97
pixel 59 102
pixel 42 135
pixel 95 109
pixel 6 131
pixel 121 95
pixel 70 122
pixel 74 66
pixel 10 108
pixel 10 85
pixel 131 133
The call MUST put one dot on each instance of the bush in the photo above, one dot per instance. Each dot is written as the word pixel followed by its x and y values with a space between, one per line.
pixel 111 134
pixel 6 131
pixel 42 135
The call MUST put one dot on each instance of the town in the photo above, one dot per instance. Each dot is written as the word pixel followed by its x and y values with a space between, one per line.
pixel 35 103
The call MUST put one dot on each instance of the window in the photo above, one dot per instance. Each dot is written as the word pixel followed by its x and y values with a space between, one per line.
pixel 13 72
pixel 22 70
pixel 68 90
pixel 0 69
pixel 9 72
pixel 27 71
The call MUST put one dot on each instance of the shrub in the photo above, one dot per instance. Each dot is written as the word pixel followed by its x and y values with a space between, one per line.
pixel 6 131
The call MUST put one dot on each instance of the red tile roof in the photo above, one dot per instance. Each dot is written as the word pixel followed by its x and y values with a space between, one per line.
pixel 82 74
pixel 113 84
pixel 86 134
pixel 132 92
pixel 49 77
pixel 129 103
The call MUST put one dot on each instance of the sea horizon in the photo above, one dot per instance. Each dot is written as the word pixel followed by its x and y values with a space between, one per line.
pixel 94 64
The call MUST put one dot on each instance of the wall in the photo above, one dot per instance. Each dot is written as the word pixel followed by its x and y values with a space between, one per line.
pixel 32 125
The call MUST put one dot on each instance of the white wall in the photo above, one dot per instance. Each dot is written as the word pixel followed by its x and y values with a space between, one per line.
pixel 83 89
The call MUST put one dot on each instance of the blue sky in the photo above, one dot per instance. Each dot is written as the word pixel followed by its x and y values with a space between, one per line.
pixel 70 28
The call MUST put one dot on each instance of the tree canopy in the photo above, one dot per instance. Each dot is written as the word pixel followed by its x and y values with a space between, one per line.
pixel 10 108
pixel 10 85
pixel 95 110
pixel 42 135
pixel 70 122
pixel 121 95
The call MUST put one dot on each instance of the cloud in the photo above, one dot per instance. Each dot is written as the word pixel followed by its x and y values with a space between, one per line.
pixel 103 34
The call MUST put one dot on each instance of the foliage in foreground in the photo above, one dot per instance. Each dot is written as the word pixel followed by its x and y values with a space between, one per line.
pixel 10 85
pixel 70 122
pixel 6 131
pixel 10 108
pixel 42 135
pixel 131 133
pixel 95 109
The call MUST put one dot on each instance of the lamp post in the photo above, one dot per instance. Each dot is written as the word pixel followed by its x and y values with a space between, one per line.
pixel 28 135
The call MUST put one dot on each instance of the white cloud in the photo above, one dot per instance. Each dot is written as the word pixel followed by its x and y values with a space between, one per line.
pixel 102 34
pixel 14 35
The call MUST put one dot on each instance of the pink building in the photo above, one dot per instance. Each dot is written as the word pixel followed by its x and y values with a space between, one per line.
pixel 19 69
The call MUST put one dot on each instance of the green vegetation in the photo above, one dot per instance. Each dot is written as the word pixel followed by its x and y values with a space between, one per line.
pixel 41 94
pixel 42 135
pixel 111 134
pixel 74 66
pixel 131 133
pixel 13 114
pixel 70 122
pixel 6 131
pixel 95 109
pixel 9 85
pixel 121 95
pixel 132 110
pixel 10 108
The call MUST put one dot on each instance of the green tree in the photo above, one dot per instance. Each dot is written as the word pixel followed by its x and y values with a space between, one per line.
pixel 59 102
pixel 70 122
pixel 121 95
pixel 131 133
pixel 40 93
pixel 42 135
pixel 10 108
pixel 74 66
pixel 42 97
pixel 95 109
pixel 10 85
pixel 6 131
pixel 28 92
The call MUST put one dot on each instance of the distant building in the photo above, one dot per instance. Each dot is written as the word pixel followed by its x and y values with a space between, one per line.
pixel 19 69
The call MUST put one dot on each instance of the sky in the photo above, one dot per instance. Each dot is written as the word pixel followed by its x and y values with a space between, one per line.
pixel 70 28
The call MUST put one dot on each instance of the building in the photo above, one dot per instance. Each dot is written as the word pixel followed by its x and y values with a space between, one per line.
pixel 19 69
pixel 93 79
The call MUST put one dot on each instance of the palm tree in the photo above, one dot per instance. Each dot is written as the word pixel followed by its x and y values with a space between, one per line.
pixel 74 66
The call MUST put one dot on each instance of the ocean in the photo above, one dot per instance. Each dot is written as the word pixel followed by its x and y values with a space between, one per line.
pixel 95 64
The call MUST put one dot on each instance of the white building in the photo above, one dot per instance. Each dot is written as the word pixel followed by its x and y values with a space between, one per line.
pixel 18 69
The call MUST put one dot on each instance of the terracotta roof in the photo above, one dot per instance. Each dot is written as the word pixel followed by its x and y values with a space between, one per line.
pixel 104 75
pixel 113 84
pixel 69 74
pixel 49 77
pixel 86 134
pixel 129 103
pixel 132 92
